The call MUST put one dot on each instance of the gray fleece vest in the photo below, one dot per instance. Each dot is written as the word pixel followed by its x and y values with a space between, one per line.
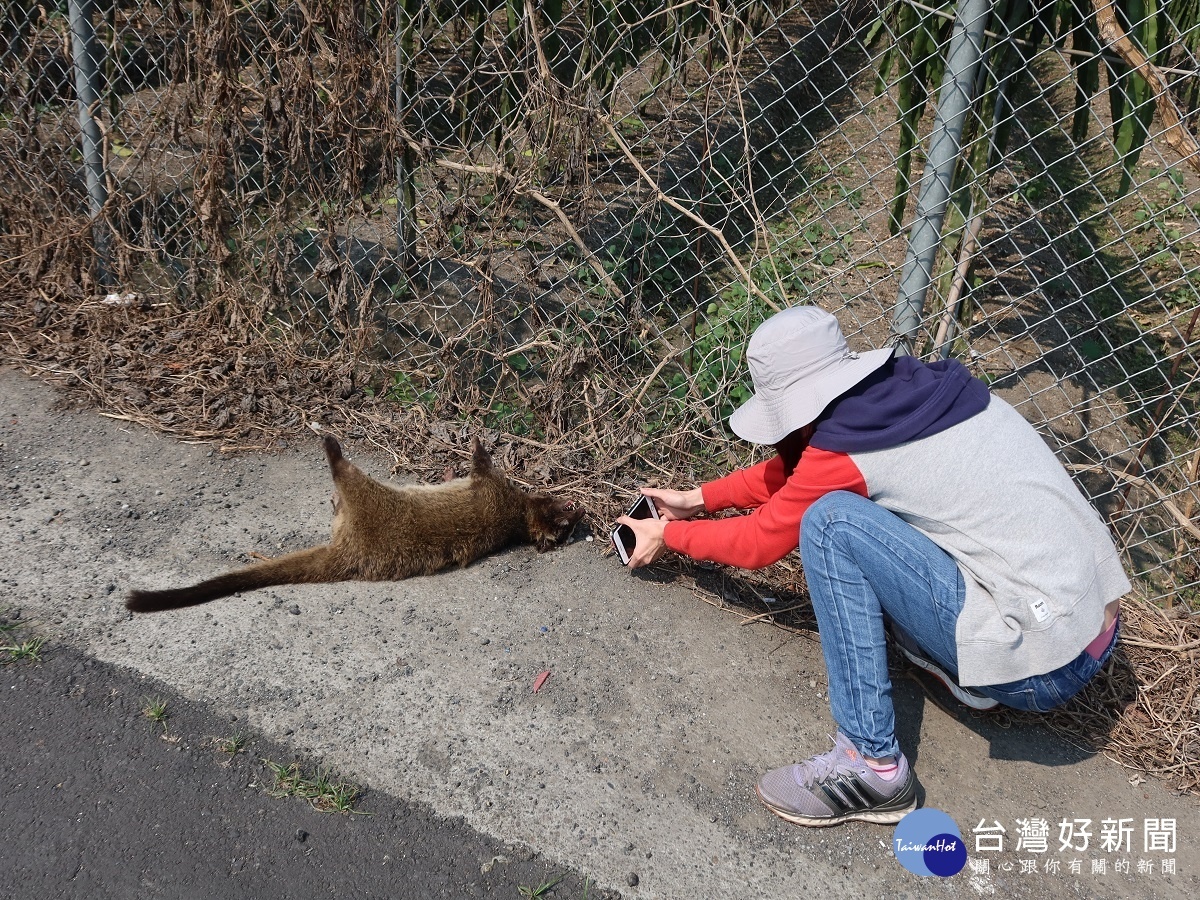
pixel 1038 562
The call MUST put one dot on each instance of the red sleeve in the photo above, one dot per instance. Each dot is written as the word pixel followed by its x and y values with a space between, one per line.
pixel 772 531
pixel 746 488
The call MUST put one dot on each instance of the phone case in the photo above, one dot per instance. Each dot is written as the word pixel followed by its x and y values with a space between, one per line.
pixel 623 538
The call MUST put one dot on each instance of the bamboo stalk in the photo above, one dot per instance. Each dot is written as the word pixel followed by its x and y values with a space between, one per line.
pixel 1175 134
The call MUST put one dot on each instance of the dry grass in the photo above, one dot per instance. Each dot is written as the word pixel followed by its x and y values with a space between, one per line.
pixel 1146 713
pixel 189 374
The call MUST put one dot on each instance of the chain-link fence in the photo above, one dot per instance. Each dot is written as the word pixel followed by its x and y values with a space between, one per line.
pixel 560 220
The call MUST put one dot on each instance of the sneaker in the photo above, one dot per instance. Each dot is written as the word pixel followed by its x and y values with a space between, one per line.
pixel 917 657
pixel 836 787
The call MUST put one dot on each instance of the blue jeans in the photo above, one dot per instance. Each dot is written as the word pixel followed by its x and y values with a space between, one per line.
pixel 865 565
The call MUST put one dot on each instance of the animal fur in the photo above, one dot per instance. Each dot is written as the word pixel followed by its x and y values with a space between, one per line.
pixel 386 533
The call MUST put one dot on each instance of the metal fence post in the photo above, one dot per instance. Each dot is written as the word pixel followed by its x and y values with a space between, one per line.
pixel 85 54
pixel 405 35
pixel 945 145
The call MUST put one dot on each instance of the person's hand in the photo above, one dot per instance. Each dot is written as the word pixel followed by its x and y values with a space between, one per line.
pixel 673 505
pixel 650 544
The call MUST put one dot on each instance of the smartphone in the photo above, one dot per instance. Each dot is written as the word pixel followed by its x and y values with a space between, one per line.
pixel 623 537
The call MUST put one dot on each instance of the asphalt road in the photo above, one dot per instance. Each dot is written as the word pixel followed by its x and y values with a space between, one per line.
pixel 101 801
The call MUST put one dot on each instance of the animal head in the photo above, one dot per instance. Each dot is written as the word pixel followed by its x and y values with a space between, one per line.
pixel 550 521
pixel 547 520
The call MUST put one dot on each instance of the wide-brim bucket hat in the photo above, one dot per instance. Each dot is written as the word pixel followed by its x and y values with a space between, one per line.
pixel 799 362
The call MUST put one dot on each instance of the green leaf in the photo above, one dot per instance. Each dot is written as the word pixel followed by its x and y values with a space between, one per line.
pixel 1091 349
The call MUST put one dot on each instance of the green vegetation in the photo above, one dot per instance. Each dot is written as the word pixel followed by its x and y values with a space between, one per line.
pixel 532 893
pixel 401 388
pixel 713 364
pixel 233 745
pixel 513 415
pixel 18 648
pixel 8 622
pixel 156 711
pixel 323 791
pixel 1166 33
pixel 27 651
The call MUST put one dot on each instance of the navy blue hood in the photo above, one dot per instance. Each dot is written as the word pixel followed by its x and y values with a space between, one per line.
pixel 902 401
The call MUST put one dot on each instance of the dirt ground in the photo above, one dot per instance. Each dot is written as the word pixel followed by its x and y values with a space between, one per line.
pixel 639 755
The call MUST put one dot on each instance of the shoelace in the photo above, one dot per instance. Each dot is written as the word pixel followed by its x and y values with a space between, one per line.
pixel 821 767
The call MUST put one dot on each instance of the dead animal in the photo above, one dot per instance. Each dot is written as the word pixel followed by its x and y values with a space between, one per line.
pixel 385 533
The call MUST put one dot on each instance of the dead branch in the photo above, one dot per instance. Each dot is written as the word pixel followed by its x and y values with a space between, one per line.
pixel 1137 481
pixel 1175 133
pixel 663 197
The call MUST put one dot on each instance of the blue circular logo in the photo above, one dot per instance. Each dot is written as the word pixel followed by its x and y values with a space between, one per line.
pixel 927 842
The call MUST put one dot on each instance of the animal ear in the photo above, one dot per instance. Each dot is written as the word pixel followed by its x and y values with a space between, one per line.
pixel 333 451
pixel 481 460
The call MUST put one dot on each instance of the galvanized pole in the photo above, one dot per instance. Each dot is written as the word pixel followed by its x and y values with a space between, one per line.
pixel 405 26
pixel 945 146
pixel 86 56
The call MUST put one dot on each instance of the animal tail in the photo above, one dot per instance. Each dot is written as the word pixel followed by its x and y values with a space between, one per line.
pixel 311 566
